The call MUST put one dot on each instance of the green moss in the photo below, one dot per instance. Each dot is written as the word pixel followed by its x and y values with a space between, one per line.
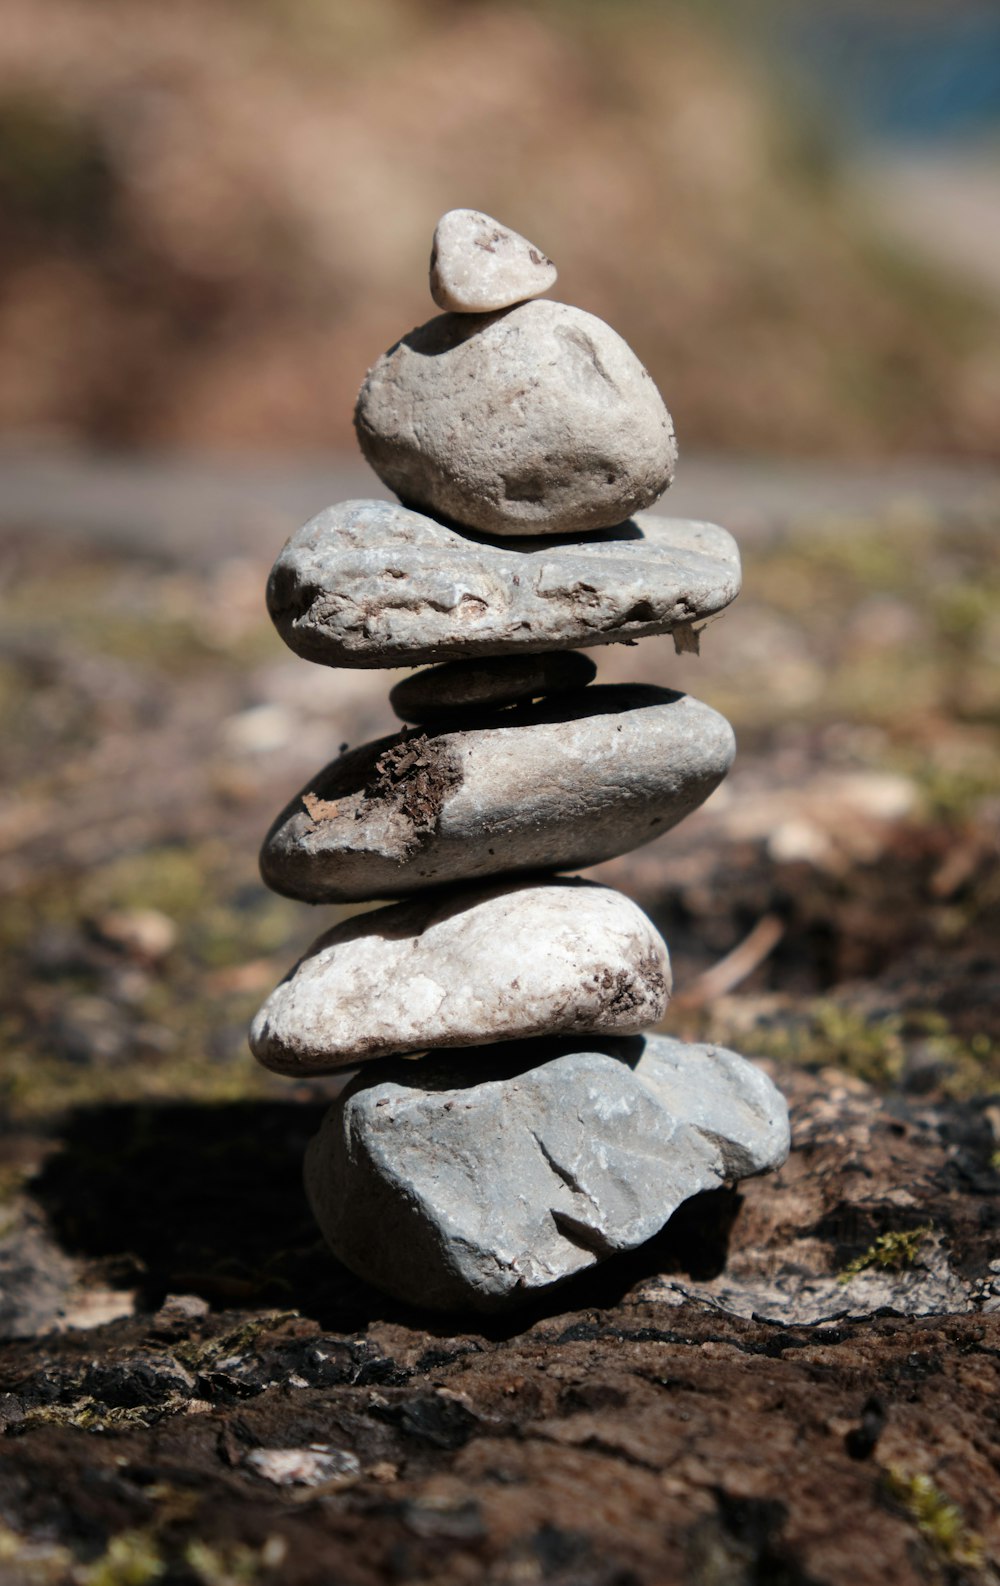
pixel 87 1415
pixel 891 1252
pixel 234 1564
pixel 938 1520
pixel 131 1559
pixel 832 1035
pixel 198 1356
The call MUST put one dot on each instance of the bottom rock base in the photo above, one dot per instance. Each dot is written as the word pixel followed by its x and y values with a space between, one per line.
pixel 475 1179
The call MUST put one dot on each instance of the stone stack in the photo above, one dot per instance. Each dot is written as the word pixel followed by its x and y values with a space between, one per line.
pixel 509 1124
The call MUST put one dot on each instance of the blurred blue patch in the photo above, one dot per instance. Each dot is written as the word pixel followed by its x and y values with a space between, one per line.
pixel 905 73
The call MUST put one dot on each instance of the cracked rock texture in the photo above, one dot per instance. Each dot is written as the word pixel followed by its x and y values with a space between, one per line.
pixel 482 965
pixel 538 420
pixel 456 687
pixel 478 266
pixel 475 1179
pixel 555 786
pixel 370 584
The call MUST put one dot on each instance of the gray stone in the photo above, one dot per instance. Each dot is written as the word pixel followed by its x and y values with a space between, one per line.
pixel 453 689
pixel 555 786
pixel 478 266
pixel 539 420
pixel 474 966
pixel 477 1179
pixel 368 583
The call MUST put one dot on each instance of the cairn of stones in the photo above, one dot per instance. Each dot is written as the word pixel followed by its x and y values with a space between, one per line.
pixel 509 1124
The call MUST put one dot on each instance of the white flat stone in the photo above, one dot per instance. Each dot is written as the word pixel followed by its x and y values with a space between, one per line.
pixel 556 786
pixel 478 266
pixel 367 583
pixel 477 1179
pixel 538 420
pixel 469 967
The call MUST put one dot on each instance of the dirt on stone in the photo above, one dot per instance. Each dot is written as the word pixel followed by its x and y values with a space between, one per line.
pixel 414 776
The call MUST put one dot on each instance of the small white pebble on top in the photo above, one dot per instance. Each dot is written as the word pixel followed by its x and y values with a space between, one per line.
pixel 478 266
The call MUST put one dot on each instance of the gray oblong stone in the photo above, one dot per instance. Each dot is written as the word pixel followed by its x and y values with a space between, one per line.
pixel 477 1179
pixel 478 266
pixel 539 420
pixel 458 686
pixel 555 786
pixel 481 965
pixel 368 583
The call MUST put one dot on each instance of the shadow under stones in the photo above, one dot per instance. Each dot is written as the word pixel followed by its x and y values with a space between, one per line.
pixel 208 1200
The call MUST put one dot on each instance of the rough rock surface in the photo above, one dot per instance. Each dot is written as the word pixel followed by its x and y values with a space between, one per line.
pixel 474 1180
pixel 478 266
pixel 367 583
pixel 648 1422
pixel 538 420
pixel 555 786
pixel 482 965
pixel 453 689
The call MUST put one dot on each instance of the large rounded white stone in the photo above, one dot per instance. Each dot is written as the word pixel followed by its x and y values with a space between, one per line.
pixel 478 266
pixel 539 420
pixel 477 1179
pixel 464 968
pixel 555 786
pixel 367 583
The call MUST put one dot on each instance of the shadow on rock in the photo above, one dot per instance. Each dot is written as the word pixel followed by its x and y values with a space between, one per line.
pixel 208 1200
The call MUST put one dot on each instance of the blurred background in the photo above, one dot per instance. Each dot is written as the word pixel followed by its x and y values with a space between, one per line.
pixel 217 213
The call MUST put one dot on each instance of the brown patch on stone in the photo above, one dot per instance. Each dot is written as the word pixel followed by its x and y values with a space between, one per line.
pixel 415 776
pixel 628 991
pixel 320 809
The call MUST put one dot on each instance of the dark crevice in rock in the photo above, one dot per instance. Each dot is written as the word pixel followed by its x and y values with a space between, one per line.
pixel 582 1234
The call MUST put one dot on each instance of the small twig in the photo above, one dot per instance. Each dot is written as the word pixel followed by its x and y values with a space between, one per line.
pixel 736 966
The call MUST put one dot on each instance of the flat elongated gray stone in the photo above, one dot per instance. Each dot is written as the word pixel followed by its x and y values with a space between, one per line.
pixel 367 583
pixel 475 966
pixel 537 420
pixel 476 1179
pixel 478 266
pixel 458 686
pixel 554 786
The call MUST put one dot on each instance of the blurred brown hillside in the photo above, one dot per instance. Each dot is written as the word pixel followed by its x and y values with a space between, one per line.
pixel 218 212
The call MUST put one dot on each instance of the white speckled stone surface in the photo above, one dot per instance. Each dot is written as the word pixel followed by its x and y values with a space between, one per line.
pixel 537 420
pixel 474 966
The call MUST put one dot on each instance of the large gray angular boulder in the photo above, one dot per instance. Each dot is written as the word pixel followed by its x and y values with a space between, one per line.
pixel 555 786
pixel 465 968
pixel 477 1179
pixel 537 420
pixel 367 583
